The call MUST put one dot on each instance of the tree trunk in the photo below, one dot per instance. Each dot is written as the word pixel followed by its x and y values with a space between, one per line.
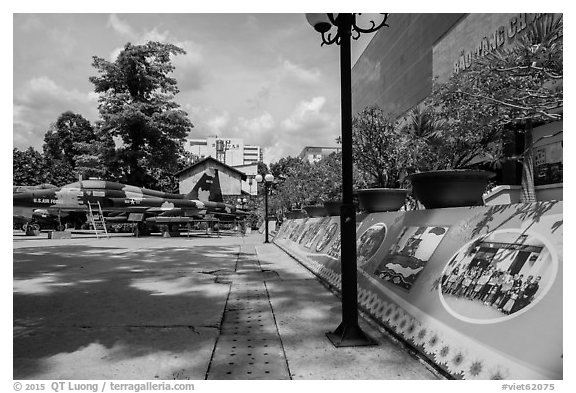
pixel 528 191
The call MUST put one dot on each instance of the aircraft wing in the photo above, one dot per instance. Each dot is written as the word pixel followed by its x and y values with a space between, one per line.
pixel 154 204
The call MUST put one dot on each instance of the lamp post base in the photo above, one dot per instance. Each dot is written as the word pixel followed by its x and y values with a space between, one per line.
pixel 349 335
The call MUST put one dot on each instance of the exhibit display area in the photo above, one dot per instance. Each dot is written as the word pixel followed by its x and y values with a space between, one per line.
pixel 475 290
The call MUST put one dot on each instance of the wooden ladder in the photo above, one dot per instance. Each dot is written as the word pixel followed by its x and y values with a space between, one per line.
pixel 97 219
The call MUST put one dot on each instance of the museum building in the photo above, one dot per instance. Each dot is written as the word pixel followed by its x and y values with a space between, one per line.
pixel 396 70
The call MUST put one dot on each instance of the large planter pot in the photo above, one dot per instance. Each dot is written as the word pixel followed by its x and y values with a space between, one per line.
pixel 333 207
pixel 450 188
pixel 293 214
pixel 381 199
pixel 316 211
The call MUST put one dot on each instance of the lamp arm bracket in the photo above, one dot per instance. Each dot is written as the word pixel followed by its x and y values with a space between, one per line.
pixel 356 31
pixel 327 39
pixel 372 27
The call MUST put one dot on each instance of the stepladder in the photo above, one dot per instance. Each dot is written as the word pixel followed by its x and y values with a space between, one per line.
pixel 96 217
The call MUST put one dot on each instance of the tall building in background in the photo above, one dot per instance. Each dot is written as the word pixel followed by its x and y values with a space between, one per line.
pixel 230 151
pixel 316 153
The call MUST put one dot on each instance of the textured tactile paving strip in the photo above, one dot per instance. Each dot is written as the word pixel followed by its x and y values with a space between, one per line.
pixel 248 346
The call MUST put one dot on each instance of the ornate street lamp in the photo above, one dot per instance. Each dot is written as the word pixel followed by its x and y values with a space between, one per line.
pixel 268 179
pixel 348 333
pixel 242 202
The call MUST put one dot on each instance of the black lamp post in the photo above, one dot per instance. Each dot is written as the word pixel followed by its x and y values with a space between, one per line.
pixel 348 333
pixel 268 179
pixel 241 203
pixel 250 181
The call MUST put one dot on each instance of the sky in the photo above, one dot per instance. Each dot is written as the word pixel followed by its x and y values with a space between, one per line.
pixel 257 73
pixel 261 77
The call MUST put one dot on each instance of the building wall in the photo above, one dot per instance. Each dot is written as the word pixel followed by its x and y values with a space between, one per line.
pixel 229 184
pixel 476 34
pixel 230 181
pixel 395 70
pixel 197 147
pixel 249 186
pixel 316 153
pixel 252 154
pixel 233 152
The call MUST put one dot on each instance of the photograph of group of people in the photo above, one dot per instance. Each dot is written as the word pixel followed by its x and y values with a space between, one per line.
pixel 499 289
pixel 498 275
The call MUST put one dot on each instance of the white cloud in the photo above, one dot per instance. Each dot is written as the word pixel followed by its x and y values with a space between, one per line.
pixel 43 89
pixel 278 150
pixel 219 122
pixel 251 22
pixel 259 124
pixel 189 68
pixel 298 73
pixel 120 26
pixel 259 130
pixel 207 121
pixel 40 102
pixel 28 22
pixel 309 124
pixel 306 113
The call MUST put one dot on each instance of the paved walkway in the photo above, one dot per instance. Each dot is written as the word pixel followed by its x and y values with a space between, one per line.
pixel 182 308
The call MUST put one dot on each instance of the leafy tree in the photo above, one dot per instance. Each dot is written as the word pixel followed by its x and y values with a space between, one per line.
pixel 62 139
pixel 526 82
pixel 300 183
pixel 451 131
pixel 285 166
pixel 521 84
pixel 262 169
pixel 28 167
pixel 137 106
pixel 292 190
pixel 68 137
pixel 376 147
pixel 88 161
pixel 326 175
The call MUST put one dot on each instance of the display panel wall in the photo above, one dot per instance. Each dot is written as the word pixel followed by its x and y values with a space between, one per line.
pixel 476 290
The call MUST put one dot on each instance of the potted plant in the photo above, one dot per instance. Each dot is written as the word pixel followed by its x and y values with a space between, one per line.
pixel 443 143
pixel 377 154
pixel 314 208
pixel 333 207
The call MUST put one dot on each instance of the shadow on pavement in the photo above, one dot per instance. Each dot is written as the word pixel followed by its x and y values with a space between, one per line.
pixel 114 304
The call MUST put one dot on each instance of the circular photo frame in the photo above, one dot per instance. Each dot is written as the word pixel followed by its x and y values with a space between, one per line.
pixel 369 242
pixel 498 276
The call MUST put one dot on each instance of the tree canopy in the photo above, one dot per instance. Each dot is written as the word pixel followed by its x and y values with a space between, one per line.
pixel 301 183
pixel 137 107
pixel 376 146
pixel 60 141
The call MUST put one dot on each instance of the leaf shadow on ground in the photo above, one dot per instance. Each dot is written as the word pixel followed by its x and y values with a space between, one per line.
pixel 67 298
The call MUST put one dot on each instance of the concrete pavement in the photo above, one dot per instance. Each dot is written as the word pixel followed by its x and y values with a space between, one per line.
pixel 182 308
